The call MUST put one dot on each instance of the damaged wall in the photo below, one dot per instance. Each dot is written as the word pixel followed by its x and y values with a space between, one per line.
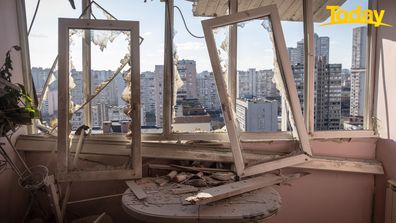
pixel 13 199
pixel 386 105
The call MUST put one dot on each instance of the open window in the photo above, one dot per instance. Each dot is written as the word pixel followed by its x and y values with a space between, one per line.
pixel 69 113
pixel 269 18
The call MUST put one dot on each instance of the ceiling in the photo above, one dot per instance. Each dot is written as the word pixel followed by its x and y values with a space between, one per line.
pixel 290 10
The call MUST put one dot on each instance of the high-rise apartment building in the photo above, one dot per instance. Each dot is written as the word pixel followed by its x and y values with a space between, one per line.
pixel 322 46
pixel 322 49
pixel 151 97
pixel 257 115
pixel 327 83
pixel 298 74
pixel 207 91
pixel 328 95
pixel 39 76
pixel 346 92
pixel 358 71
pixel 107 98
pixel 147 98
pixel 159 81
pixel 256 83
pixel 188 73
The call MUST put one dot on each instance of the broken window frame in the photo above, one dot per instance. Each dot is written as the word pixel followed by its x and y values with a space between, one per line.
pixel 64 174
pixel 288 84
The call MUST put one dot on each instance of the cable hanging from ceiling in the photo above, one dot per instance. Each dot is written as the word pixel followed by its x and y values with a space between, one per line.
pixel 185 24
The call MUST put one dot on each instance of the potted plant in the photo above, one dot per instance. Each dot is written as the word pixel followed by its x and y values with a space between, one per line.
pixel 16 106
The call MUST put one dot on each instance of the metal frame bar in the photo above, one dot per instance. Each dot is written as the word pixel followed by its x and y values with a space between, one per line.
pixel 309 65
pixel 232 54
pixel 25 53
pixel 63 172
pixel 86 64
pixel 288 82
pixel 369 112
pixel 168 70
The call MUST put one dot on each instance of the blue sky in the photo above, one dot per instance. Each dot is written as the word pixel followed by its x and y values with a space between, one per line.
pixel 255 50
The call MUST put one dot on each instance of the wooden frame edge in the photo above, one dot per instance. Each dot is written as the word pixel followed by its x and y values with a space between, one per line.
pixel 63 139
pixel 288 82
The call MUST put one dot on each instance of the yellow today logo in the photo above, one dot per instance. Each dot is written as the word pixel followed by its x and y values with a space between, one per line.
pixel 357 16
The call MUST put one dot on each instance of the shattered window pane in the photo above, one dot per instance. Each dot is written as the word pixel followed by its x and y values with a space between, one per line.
pixel 109 62
pixel 196 102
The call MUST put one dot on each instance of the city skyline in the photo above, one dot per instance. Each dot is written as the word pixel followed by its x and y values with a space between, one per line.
pixel 197 97
pixel 45 29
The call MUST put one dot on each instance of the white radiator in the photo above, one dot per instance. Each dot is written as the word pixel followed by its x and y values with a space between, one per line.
pixel 390 205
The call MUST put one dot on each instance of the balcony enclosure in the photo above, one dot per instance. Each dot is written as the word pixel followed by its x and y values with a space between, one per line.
pixel 218 89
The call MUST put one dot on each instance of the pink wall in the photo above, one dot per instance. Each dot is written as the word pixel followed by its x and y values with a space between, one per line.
pixel 386 153
pixel 386 104
pixel 13 201
pixel 386 71
pixel 327 197
pixel 323 196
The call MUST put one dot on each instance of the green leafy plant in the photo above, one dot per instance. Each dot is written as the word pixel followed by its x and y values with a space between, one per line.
pixel 16 107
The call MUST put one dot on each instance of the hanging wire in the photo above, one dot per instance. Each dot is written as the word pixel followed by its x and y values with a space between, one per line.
pixel 34 16
pixel 185 24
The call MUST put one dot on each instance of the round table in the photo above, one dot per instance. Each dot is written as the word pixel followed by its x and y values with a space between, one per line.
pixel 161 205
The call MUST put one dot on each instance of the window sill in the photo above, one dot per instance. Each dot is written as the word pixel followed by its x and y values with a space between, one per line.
pixel 212 152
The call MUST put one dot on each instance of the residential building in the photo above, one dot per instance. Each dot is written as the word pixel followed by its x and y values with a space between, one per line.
pixel 188 74
pixel 256 83
pixel 358 71
pixel 147 98
pixel 207 91
pixel 345 92
pixel 328 95
pixel 298 74
pixel 322 46
pixel 257 115
pixel 158 81
pixel 322 49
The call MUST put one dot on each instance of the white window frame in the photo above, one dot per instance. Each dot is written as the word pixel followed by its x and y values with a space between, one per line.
pixel 288 84
pixel 64 173
pixel 309 78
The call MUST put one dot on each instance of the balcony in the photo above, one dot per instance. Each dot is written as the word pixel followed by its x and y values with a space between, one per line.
pixel 314 165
